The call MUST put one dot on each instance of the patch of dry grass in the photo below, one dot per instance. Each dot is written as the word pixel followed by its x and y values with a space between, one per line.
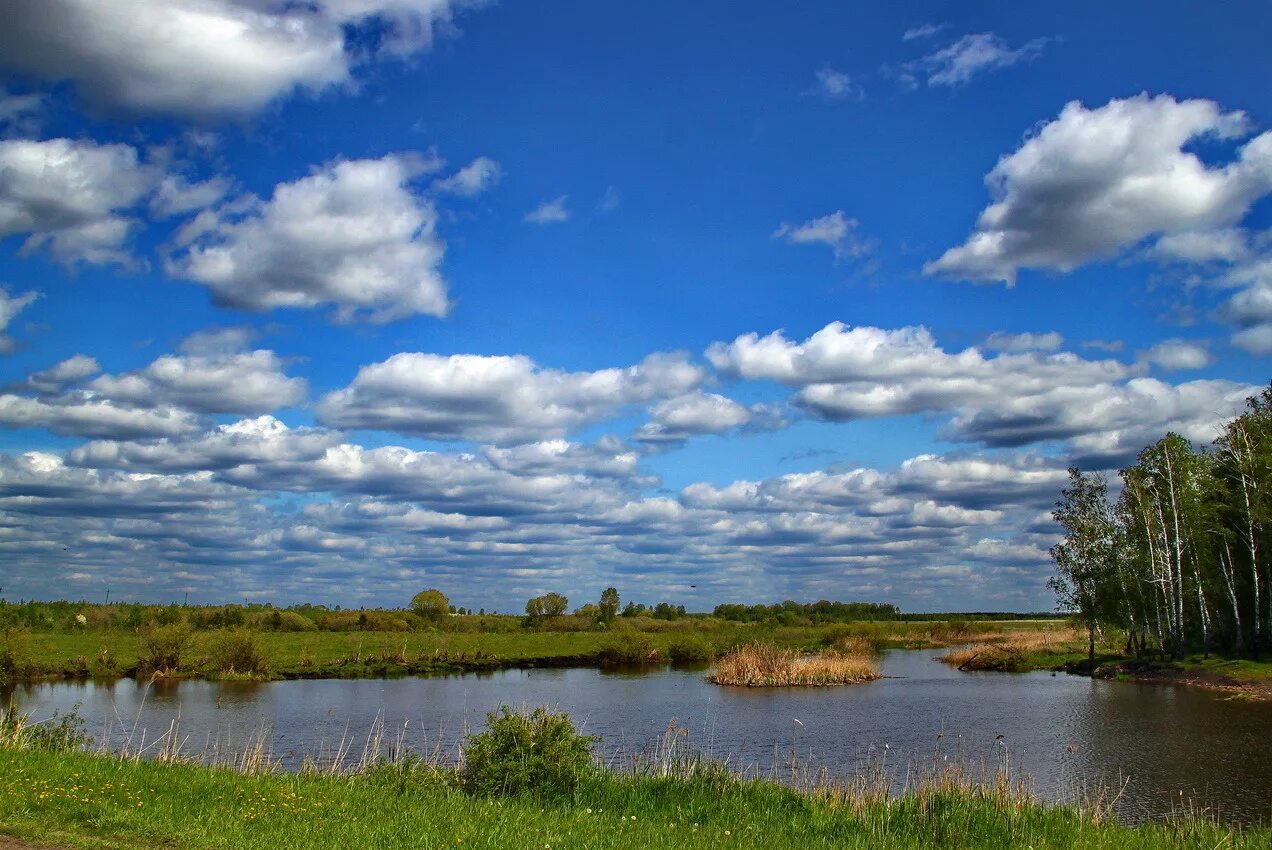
pixel 1010 650
pixel 760 665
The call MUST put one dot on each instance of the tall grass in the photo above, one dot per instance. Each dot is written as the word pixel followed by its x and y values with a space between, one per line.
pixel 762 665
pixel 1014 650
pixel 673 797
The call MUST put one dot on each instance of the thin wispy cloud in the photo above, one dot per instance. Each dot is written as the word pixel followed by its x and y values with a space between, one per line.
pixel 836 85
pixel 549 212
pixel 837 231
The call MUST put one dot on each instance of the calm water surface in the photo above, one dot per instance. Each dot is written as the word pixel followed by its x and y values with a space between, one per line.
pixel 1170 745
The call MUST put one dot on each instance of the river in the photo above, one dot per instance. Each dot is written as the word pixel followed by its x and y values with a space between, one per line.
pixel 1161 747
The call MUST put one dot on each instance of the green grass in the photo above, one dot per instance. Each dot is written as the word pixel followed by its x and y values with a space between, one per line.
pixel 84 800
pixel 360 654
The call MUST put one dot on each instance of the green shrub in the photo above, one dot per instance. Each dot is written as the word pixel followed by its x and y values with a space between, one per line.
pixel 537 752
pixel 13 652
pixel 162 647
pixel 688 649
pixel 290 621
pixel 239 651
pixel 628 647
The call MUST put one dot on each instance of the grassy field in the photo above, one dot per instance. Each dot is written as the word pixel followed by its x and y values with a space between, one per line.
pixel 356 654
pixel 93 801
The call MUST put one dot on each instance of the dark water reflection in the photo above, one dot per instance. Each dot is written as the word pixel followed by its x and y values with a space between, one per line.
pixel 1172 745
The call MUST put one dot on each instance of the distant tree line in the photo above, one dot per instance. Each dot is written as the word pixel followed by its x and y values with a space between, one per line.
pixel 821 611
pixel 1182 559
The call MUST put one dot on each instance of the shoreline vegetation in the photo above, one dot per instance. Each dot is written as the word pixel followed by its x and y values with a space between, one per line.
pixel 42 641
pixel 529 780
pixel 763 665
pixel 1066 650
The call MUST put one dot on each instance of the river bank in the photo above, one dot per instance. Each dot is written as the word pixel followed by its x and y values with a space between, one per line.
pixel 1065 651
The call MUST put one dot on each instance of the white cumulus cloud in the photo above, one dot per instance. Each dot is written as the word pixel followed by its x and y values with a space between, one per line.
pixel 204 57
pixel 1095 181
pixel 353 235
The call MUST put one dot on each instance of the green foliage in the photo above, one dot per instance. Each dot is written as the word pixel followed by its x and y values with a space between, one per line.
pixel 608 605
pixel 162 647
pixel 548 605
pixel 239 651
pixel 61 733
pixel 290 621
pixel 667 611
pixel 628 647
pixel 431 604
pixel 795 613
pixel 536 751
pixel 689 649
pixel 1183 561
pixel 14 652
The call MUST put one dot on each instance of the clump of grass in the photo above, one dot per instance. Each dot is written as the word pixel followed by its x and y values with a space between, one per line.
pixel 854 645
pixel 1011 652
pixel 61 733
pixel 239 652
pixel 759 665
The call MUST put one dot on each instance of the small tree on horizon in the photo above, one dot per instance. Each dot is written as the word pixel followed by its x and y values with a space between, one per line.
pixel 609 605
pixel 431 604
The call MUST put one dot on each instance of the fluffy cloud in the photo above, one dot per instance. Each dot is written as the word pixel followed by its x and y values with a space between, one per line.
pixel 677 419
pixel 10 307
pixel 471 180
pixel 170 513
pixel 1250 309
pixel 897 363
pixel 607 458
pixel 1015 343
pixel 1095 181
pixel 161 400
pixel 248 441
pixel 496 399
pixel 693 414
pixel 1103 409
pixel 957 63
pixel 835 230
pixel 549 212
pixel 1177 354
pixel 72 197
pixel 1105 425
pixel 353 235
pixel 204 57
pixel 82 415
pixel 72 370
pixel 247 382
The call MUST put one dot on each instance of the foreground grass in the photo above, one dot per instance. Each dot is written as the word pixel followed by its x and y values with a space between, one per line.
pixel 84 800
pixel 360 654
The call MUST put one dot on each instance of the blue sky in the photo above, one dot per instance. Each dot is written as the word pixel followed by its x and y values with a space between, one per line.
pixel 332 301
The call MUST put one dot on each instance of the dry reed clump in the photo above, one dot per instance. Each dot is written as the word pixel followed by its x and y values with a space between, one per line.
pixel 760 665
pixel 1008 650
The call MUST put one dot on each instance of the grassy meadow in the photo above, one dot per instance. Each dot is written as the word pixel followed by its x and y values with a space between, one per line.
pixel 69 798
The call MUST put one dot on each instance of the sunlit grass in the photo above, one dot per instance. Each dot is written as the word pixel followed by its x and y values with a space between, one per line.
pixel 762 665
